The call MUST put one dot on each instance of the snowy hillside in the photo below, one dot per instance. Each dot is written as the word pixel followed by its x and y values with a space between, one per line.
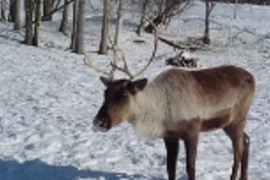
pixel 48 99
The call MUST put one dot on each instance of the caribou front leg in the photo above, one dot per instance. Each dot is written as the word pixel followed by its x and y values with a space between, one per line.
pixel 172 146
pixel 191 143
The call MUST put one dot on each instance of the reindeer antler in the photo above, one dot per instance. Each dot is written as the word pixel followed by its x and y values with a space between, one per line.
pixel 88 63
pixel 154 50
pixel 126 70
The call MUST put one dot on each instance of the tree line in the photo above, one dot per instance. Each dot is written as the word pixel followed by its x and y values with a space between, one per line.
pixel 35 12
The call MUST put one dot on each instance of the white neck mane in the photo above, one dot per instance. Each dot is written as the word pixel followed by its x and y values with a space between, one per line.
pixel 148 118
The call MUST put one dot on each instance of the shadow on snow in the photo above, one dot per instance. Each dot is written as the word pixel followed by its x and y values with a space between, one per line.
pixel 38 170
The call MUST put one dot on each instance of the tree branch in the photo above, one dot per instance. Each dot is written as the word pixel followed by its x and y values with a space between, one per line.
pixel 56 10
pixel 171 43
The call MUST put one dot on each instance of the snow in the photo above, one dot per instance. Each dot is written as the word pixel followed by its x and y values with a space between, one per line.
pixel 48 98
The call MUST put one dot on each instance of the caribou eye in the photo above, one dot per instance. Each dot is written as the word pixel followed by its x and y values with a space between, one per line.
pixel 121 96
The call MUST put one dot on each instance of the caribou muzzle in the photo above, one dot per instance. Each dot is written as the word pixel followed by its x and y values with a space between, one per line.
pixel 101 124
pixel 102 121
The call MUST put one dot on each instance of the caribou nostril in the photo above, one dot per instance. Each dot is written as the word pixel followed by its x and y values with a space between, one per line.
pixel 101 124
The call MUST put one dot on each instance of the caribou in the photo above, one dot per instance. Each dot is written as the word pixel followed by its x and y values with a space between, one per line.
pixel 179 104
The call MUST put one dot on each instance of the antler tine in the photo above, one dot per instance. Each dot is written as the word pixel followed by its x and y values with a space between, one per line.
pixel 155 47
pixel 124 70
pixel 114 65
pixel 88 63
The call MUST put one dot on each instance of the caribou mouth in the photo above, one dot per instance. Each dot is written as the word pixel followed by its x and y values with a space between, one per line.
pixel 100 125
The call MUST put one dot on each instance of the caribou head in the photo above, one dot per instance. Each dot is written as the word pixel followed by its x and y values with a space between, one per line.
pixel 118 104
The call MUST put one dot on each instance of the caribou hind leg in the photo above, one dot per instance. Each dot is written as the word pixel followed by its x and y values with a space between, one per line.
pixel 240 142
pixel 244 161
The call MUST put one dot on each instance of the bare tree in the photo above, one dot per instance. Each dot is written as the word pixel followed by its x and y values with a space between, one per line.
pixel 64 21
pixel 235 9
pixel 103 47
pixel 28 22
pixel 79 44
pixel 17 20
pixel 47 8
pixel 56 9
pixel 74 24
pixel 139 27
pixel 37 22
pixel 3 14
pixel 12 11
pixel 119 22
pixel 208 9
pixel 170 6
pixel 56 3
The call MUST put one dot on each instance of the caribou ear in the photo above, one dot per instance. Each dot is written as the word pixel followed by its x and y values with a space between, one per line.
pixel 105 81
pixel 140 84
pixel 137 85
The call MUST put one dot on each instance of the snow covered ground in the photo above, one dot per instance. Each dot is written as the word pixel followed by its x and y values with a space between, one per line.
pixel 48 98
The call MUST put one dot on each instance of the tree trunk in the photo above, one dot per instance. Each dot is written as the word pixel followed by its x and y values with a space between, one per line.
pixel 28 22
pixel 12 11
pixel 79 45
pixel 64 21
pixel 17 23
pixel 74 24
pixel 56 9
pixel 235 9
pixel 103 47
pixel 56 3
pixel 47 8
pixel 206 38
pixel 139 28
pixel 37 22
pixel 3 8
pixel 119 22
pixel 161 6
pixel 169 3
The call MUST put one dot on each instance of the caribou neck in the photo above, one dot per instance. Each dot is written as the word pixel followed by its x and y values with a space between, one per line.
pixel 147 119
